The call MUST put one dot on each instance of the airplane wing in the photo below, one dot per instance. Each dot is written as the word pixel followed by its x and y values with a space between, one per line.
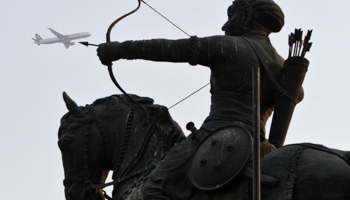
pixel 59 35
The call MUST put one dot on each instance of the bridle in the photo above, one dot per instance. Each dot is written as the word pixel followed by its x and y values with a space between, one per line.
pixel 90 117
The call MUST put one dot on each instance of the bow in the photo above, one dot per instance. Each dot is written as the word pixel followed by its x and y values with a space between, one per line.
pixel 108 39
pixel 110 69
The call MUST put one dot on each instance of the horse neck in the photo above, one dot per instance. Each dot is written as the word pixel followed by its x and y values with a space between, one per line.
pixel 147 146
pixel 128 141
pixel 146 141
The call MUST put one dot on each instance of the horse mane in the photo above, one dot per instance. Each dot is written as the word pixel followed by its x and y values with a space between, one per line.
pixel 123 99
pixel 110 102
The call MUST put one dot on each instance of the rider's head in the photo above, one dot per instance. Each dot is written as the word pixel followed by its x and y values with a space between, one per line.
pixel 245 15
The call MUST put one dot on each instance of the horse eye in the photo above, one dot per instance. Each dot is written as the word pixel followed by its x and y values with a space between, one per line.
pixel 62 145
pixel 66 140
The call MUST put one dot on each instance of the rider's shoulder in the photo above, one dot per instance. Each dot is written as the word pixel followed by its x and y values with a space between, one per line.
pixel 225 38
pixel 227 44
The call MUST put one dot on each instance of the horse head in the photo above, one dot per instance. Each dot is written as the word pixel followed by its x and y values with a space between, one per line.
pixel 112 134
pixel 81 164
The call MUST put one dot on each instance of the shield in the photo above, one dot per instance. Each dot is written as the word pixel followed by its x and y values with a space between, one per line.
pixel 220 157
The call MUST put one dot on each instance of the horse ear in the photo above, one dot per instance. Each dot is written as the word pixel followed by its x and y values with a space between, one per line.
pixel 71 105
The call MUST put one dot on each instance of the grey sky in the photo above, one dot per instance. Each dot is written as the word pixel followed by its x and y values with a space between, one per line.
pixel 33 78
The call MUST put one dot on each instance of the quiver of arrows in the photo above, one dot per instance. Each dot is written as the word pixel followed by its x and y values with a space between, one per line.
pixel 292 77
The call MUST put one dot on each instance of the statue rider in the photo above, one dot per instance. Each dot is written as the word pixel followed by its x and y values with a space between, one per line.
pixel 230 58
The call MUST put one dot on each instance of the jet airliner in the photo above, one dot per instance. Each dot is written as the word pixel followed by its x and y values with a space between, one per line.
pixel 64 39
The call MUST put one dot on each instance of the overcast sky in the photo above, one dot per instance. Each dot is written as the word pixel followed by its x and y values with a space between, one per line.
pixel 34 77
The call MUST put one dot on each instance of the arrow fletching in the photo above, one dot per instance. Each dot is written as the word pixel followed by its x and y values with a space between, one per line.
pixel 298 34
pixel 290 43
pixel 307 37
pixel 298 46
pixel 306 49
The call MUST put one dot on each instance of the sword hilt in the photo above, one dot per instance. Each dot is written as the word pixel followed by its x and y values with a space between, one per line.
pixel 191 127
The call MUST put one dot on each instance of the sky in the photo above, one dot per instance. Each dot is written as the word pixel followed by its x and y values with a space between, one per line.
pixel 32 77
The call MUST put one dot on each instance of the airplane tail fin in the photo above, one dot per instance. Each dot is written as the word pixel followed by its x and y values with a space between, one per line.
pixel 37 39
pixel 37 36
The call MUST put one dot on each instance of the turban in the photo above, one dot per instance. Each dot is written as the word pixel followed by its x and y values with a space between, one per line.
pixel 266 12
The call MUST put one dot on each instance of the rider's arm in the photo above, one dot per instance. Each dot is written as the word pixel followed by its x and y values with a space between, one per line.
pixel 195 50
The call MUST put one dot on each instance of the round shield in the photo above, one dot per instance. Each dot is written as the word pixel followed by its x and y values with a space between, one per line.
pixel 220 157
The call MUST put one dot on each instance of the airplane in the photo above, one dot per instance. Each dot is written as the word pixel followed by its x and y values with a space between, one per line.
pixel 64 39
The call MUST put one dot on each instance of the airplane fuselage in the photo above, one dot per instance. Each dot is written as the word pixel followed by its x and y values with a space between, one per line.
pixel 64 38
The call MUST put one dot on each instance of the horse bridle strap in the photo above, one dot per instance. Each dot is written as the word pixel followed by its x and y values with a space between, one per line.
pixel 101 185
pixel 70 180
pixel 88 183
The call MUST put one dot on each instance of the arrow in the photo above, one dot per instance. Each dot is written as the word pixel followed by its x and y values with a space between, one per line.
pixel 290 43
pixel 307 45
pixel 298 33
pixel 88 44
pixel 306 49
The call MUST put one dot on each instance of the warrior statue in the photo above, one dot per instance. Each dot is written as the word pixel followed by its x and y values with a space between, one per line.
pixel 230 58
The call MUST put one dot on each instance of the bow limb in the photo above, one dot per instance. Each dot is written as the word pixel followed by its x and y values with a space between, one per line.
pixel 110 70
pixel 108 35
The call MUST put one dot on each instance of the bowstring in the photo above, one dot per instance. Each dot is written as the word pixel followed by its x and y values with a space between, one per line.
pixel 188 36
pixel 189 96
pixel 164 17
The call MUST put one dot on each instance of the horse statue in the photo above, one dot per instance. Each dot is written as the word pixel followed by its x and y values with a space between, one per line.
pixel 116 134
pixel 113 134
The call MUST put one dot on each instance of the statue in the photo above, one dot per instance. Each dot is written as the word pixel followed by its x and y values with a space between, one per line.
pixel 286 171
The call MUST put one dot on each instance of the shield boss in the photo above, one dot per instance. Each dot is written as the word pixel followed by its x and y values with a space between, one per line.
pixel 220 157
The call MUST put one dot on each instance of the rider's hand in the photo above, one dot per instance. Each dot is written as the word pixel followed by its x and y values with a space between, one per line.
pixel 107 52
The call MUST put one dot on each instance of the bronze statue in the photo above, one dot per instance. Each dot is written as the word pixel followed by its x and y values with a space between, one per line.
pixel 286 171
